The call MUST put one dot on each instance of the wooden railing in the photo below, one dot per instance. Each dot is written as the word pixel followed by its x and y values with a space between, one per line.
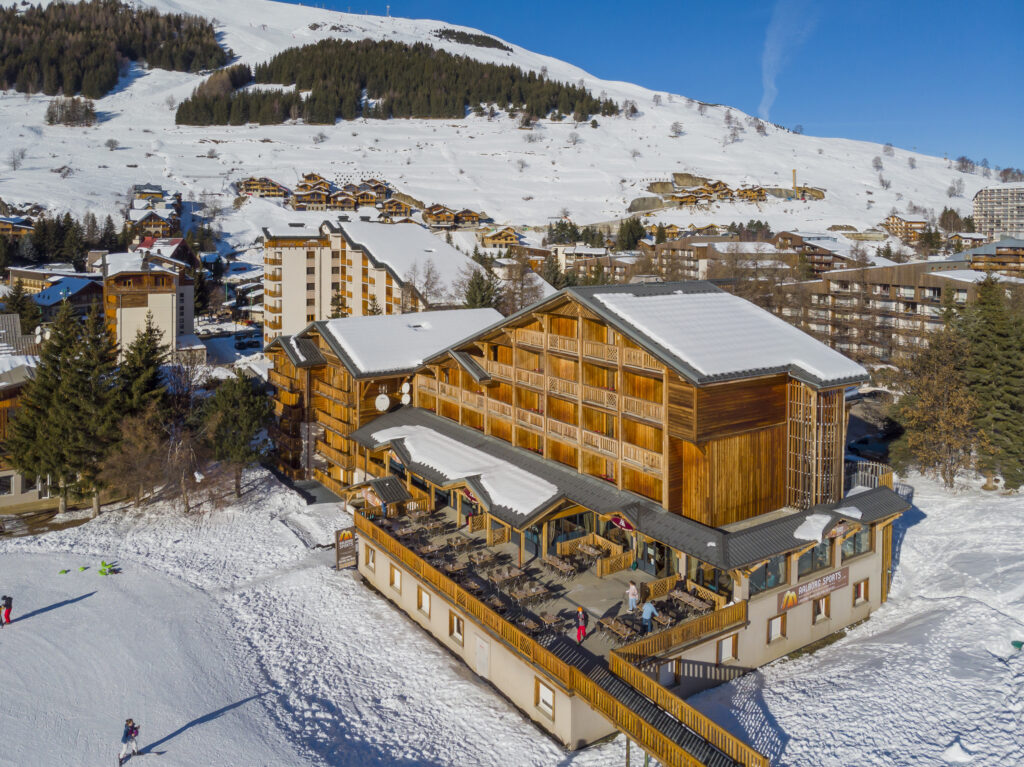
pixel 329 482
pixel 330 407
pixel 562 386
pixel 614 563
pixel 714 734
pixel 499 369
pixel 684 633
pixel 601 443
pixel 663 748
pixel 477 522
pixel 272 261
pixel 530 378
pixel 529 418
pixel 659 588
pixel 641 408
pixel 272 324
pixel 473 399
pixel 288 398
pixel 427 384
pixel 335 424
pixel 566 430
pixel 531 337
pixel 601 351
pixel 333 393
pixel 702 592
pixel 638 358
pixel 284 441
pixel 565 548
pixel 282 381
pixel 447 390
pixel 499 408
pixel 271 293
pixel 335 456
pixel 272 276
pixel 602 397
pixel 563 343
pixel 641 457
pixel 498 535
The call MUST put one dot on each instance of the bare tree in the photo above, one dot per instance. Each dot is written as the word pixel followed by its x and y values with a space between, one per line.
pixel 911 163
pixel 884 182
pixel 876 163
pixel 320 138
pixel 634 153
pixel 676 129
pixel 702 109
pixel 521 287
pixel 656 100
pixel 521 165
pixel 170 102
pixel 111 144
pixel 14 159
pixel 888 151
pixel 574 138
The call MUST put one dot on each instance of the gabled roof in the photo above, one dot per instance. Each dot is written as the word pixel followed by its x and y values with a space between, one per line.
pixel 301 352
pixel 65 287
pixel 989 248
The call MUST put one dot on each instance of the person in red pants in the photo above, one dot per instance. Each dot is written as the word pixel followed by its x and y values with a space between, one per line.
pixel 581 625
pixel 6 603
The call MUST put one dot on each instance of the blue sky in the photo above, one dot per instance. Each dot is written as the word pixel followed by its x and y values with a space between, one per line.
pixel 943 77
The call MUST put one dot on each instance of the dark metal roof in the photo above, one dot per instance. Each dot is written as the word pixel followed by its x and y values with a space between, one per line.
pixel 470 366
pixel 301 352
pixel 12 340
pixel 389 489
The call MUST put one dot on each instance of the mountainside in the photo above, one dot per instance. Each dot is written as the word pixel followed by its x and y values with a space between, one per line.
pixel 517 176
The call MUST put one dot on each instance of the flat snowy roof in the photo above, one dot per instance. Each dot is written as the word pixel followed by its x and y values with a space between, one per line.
pixel 395 343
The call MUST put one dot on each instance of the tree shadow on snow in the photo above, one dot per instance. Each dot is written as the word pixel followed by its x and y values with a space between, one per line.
pixel 906 521
pixel 54 606
pixel 200 720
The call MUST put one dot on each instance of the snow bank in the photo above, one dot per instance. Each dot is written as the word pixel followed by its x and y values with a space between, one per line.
pixel 812 528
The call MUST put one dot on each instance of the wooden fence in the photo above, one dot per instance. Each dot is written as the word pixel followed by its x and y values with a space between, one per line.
pixel 718 600
pixel 684 633
pixel 663 748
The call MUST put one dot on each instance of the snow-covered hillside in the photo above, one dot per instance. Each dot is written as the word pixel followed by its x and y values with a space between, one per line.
pixel 475 162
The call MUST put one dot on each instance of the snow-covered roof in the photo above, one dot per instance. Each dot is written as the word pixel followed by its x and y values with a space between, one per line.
pixel 63 288
pixel 395 343
pixel 717 335
pixel 136 215
pixel 975 276
pixel 15 220
pixel 407 249
pixel 135 261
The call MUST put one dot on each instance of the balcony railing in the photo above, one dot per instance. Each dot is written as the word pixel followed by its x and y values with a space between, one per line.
pixel 329 482
pixel 648 459
pixel 531 337
pixel 562 386
pixel 272 324
pixel 530 378
pixel 563 344
pixel 272 260
pixel 288 398
pixel 641 408
pixel 272 276
pixel 473 400
pixel 332 423
pixel 529 418
pixel 271 293
pixel 638 358
pixel 499 369
pixel 499 408
pixel 565 430
pixel 332 393
pixel 601 443
pixel 335 456
pixel 426 384
pixel 448 390
pixel 602 397
pixel 282 381
pixel 600 351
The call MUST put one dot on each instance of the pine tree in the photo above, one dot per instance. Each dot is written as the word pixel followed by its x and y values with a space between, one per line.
pixel 338 306
pixel 481 290
pixel 373 307
pixel 234 416
pixel 40 434
pixel 200 291
pixel 108 237
pixel 551 274
pixel 140 375
pixel 21 303
pixel 659 235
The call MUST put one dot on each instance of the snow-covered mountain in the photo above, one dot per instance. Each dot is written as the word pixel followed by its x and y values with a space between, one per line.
pixel 517 177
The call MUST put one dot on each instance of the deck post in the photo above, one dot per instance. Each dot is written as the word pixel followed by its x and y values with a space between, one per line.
pixel 627 751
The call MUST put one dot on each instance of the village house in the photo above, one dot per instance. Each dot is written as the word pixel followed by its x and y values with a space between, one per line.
pixel 823 251
pixel 15 226
pixel 261 187
pixel 36 278
pixel 567 255
pixel 505 237
pixel 672 231
pixel 82 293
pixel 394 209
pixel 439 217
pixel 590 434
pixel 19 356
pixel 467 217
pixel 959 241
pixel 907 229
pixel 752 194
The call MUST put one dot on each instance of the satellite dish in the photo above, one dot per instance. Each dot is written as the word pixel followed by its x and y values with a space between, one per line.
pixel 406 388
pixel 383 402
pixel 406 399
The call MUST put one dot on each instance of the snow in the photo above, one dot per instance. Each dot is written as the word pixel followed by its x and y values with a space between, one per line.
pixel 9 362
pixel 718 333
pixel 508 486
pixel 849 512
pixel 388 342
pixel 812 528
pixel 972 276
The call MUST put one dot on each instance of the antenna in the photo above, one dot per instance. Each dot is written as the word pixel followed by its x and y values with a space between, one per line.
pixel 388 10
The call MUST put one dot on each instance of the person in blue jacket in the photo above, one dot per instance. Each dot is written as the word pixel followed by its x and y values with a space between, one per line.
pixel 129 745
pixel 647 615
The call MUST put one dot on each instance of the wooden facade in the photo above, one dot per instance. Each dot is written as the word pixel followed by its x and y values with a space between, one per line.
pixel 261 187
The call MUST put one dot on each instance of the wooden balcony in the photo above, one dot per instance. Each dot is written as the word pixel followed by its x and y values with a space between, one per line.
pixel 638 358
pixel 561 386
pixel 498 369
pixel 334 424
pixel 647 459
pixel 473 400
pixel 530 337
pixel 271 293
pixel 328 481
pixel 288 398
pixel 563 344
pixel 529 418
pixel 426 384
pixel 641 408
pixel 530 378
pixel 282 381
pixel 494 407
pixel 600 351
pixel 334 394
pixel 564 430
pixel 601 443
pixel 335 456
pixel 272 276
pixel 448 391
pixel 272 260
pixel 272 324
pixel 285 441
pixel 602 397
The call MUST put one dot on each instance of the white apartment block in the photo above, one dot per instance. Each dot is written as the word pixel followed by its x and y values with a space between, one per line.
pixel 999 210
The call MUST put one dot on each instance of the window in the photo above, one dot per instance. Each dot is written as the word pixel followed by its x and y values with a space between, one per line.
pixel 818 558
pixel 771 574
pixel 860 592
pixel 5 485
pixel 370 558
pixel 727 648
pixel 858 543
pixel 310 286
pixel 456 628
pixel 310 270
pixel 310 318
pixel 396 579
pixel 776 628
pixel 819 609
pixel 544 698
pixel 423 601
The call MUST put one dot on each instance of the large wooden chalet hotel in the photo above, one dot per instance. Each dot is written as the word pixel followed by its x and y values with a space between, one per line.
pixel 505 472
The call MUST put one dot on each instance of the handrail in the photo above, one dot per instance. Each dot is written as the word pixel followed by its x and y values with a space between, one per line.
pixel 685 632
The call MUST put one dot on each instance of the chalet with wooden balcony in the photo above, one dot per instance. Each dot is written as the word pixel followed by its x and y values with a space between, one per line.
pixel 439 217
pixel 752 194
pixel 15 226
pixel 671 230
pixel 467 217
pixel 394 209
pixel 505 237
pixel 261 187
pixel 672 428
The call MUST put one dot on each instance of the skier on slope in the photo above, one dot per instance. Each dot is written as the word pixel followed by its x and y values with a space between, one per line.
pixel 7 602
pixel 128 742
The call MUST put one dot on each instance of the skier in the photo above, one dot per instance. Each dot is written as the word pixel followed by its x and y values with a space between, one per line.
pixel 632 595
pixel 128 742
pixel 581 625
pixel 6 602
pixel 648 613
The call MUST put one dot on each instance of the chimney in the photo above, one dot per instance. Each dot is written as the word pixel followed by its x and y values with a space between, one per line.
pixel 794 179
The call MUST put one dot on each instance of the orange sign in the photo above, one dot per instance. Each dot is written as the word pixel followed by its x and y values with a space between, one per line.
pixel 814 589
pixel 371 497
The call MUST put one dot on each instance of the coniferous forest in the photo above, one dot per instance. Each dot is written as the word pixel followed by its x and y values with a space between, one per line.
pixel 83 47
pixel 365 78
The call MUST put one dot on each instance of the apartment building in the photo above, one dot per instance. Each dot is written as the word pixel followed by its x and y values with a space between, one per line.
pixel 374 268
pixel 999 210
pixel 906 228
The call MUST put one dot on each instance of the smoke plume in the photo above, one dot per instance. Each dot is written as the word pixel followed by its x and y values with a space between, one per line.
pixel 791 23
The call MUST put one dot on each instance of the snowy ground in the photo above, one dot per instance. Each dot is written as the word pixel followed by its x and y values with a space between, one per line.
pixel 215 609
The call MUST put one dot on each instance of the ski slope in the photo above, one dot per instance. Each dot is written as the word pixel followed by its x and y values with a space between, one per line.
pixel 234 643
pixel 484 164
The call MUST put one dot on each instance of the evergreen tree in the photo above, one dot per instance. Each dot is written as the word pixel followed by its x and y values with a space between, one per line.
pixel 234 416
pixel 631 231
pixel 108 237
pixel 659 235
pixel 21 303
pixel 140 376
pixel 200 291
pixel 551 274
pixel 40 434
pixel 373 307
pixel 481 290
pixel 338 306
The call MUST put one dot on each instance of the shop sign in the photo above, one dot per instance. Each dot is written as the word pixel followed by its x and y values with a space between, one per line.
pixel 345 547
pixel 813 589
pixel 370 496
pixel 622 523
pixel 469 495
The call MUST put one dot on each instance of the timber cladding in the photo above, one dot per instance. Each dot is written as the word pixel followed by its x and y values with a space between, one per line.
pixel 748 474
pixel 728 408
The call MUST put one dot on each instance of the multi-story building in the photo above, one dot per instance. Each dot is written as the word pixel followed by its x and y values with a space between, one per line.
pixel 907 229
pixel 704 258
pixel 1005 255
pixel 36 278
pixel 823 251
pixel 19 356
pixel 999 210
pixel 140 285
pixel 15 226
pixel 373 268
pixel 261 187
pixel 671 434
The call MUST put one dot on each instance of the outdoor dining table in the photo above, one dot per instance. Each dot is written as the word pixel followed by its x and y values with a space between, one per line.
pixel 419 514
pixel 529 593
pixel 551 621
pixel 482 557
pixel 406 529
pixel 560 566
pixel 458 542
pixel 594 552
pixel 505 576
pixel 689 599
pixel 429 548
pixel 618 628
pixel 454 568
